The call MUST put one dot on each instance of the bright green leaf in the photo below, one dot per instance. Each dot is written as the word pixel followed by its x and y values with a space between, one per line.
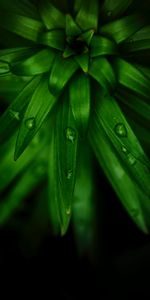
pixel 51 16
pixel 87 17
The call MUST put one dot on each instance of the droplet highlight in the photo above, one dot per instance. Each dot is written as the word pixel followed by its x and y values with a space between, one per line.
pixel 70 134
pixel 30 123
pixel 121 130
pixel 124 150
pixel 14 114
pixel 131 159
pixel 69 174
pixel 68 211
pixel 109 13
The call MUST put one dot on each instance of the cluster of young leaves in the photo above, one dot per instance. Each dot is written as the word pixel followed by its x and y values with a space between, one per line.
pixel 84 96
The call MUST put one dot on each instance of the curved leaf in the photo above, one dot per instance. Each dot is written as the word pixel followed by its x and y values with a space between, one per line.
pixel 126 189
pixel 79 91
pixel 138 42
pixel 61 72
pixel 113 9
pixel 130 77
pixel 87 17
pixel 10 120
pixel 51 16
pixel 124 140
pixel 72 29
pixel 62 165
pixel 23 26
pixel 15 54
pixel 101 70
pixel 40 105
pixel 38 63
pixel 122 29
pixel 102 46
pixel 54 39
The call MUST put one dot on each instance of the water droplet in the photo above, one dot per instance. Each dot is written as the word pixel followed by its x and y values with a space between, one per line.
pixel 69 174
pixel 109 13
pixel 121 130
pixel 131 159
pixel 124 149
pixel 30 123
pixel 135 212
pixel 70 134
pixel 14 114
pixel 68 211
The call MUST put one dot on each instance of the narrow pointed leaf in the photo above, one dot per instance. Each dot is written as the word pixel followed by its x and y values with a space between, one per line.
pixel 139 41
pixel 11 85
pixel 124 185
pixel 72 29
pixel 114 9
pixel 135 103
pixel 130 77
pixel 15 54
pixel 38 63
pixel 23 26
pixel 83 61
pixel 87 36
pixel 62 168
pixel 83 205
pixel 51 16
pixel 40 105
pixel 68 52
pixel 79 91
pixel 54 39
pixel 101 70
pixel 124 140
pixel 27 7
pixel 87 17
pixel 122 29
pixel 102 46
pixel 61 72
pixel 10 120
pixel 4 68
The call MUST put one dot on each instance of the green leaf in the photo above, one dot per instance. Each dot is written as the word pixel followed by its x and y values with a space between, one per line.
pixel 138 42
pixel 83 205
pixel 24 7
pixel 79 91
pixel 11 170
pixel 125 187
pixel 61 72
pixel 51 16
pixel 54 39
pixel 4 68
pixel 130 77
pixel 87 17
pixel 83 61
pixel 134 102
pixel 23 26
pixel 38 63
pixel 122 29
pixel 101 70
pixel 87 36
pixel 15 54
pixel 102 46
pixel 62 165
pixel 72 29
pixel 11 118
pixel 113 9
pixel 40 105
pixel 123 140
pixel 11 85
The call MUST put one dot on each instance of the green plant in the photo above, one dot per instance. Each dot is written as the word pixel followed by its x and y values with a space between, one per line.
pixel 75 80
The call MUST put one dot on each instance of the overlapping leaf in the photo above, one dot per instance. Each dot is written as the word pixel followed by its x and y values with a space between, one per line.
pixel 51 16
pixel 87 17
pixel 62 166
pixel 40 105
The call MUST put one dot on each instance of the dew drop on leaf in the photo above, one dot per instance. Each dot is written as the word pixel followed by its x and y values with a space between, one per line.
pixel 121 130
pixel 69 174
pixel 131 159
pixel 124 149
pixel 68 211
pixel 70 134
pixel 109 13
pixel 30 123
pixel 14 114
